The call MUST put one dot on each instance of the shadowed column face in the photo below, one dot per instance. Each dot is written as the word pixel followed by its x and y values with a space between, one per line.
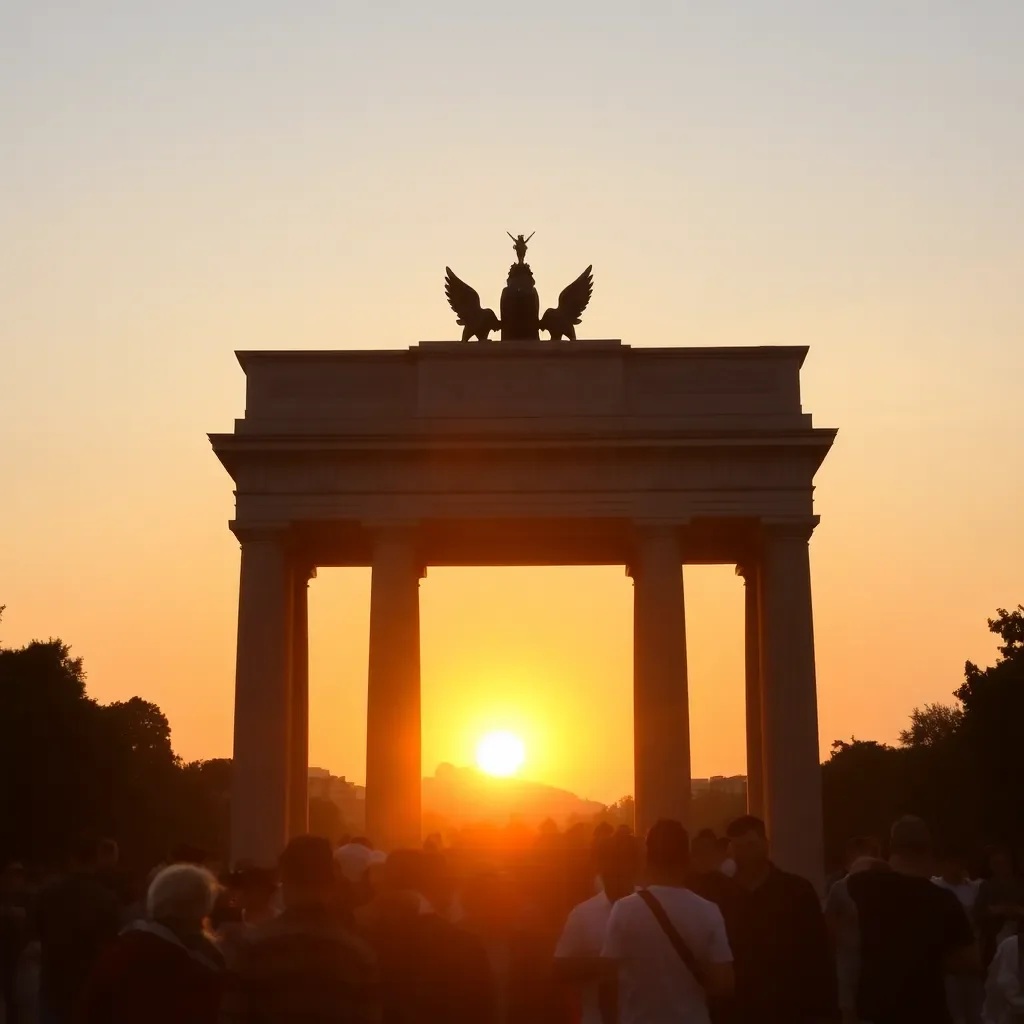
pixel 260 771
pixel 298 794
pixel 790 704
pixel 752 659
pixel 661 714
pixel 393 759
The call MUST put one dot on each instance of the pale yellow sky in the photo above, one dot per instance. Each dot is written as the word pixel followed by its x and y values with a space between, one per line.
pixel 180 183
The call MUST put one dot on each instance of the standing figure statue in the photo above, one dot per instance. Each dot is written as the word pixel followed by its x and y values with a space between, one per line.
pixel 519 244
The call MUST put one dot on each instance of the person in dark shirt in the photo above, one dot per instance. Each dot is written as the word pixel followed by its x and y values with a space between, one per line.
pixel 431 970
pixel 785 972
pixel 76 918
pixel 14 906
pixel 705 878
pixel 912 932
pixel 1000 902
pixel 305 965
pixel 165 969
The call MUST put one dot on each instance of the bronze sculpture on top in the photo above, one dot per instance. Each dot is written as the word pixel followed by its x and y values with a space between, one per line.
pixel 520 304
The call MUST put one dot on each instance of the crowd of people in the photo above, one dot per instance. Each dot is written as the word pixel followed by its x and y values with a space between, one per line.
pixel 702 931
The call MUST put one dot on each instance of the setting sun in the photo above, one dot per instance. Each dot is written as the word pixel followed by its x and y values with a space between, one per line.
pixel 500 753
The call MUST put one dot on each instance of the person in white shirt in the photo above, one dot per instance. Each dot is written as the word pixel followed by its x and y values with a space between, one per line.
pixel 1004 992
pixel 965 993
pixel 655 984
pixel 578 953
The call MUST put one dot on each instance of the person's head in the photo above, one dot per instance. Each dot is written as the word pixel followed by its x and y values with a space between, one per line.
pixel 107 854
pixel 438 880
pixel 860 847
pixel 910 845
pixel 748 842
pixel 181 897
pixel 668 852
pixel 705 852
pixel 356 861
pixel 1000 862
pixel 307 871
pixel 616 859
pixel 255 889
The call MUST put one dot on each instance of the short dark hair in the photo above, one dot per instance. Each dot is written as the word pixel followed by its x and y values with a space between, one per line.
pixel 618 850
pixel 254 880
pixel 704 839
pixel 910 837
pixel 307 861
pixel 668 845
pixel 746 824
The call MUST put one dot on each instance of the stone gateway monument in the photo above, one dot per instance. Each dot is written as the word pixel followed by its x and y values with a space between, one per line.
pixel 524 452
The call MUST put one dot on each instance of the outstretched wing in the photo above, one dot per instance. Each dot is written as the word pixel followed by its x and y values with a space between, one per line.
pixel 573 300
pixel 465 301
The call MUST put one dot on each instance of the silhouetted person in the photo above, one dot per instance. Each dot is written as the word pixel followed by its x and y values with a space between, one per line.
pixel 14 909
pixel 578 953
pixel 862 854
pixel 253 893
pixel 431 970
pixel 706 879
pixel 305 966
pixel 1004 986
pixel 1000 902
pixel 165 969
pixel 912 933
pixel 965 993
pixel 112 875
pixel 76 917
pixel 668 943
pixel 785 973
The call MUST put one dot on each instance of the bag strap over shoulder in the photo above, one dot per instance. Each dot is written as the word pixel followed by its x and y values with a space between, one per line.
pixel 672 933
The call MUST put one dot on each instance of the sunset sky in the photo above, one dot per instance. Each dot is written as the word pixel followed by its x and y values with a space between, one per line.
pixel 181 180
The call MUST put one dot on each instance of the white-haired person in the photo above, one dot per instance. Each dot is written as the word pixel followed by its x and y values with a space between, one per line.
pixel 164 969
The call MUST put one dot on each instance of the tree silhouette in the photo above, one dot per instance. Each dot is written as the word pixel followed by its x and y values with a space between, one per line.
pixel 931 725
pixel 69 765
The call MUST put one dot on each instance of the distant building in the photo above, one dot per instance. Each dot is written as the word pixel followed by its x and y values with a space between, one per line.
pixel 349 798
pixel 730 785
pixel 726 785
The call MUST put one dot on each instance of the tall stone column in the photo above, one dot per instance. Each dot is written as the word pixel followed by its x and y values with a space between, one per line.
pixel 260 770
pixel 393 759
pixel 790 704
pixel 752 665
pixel 298 795
pixel 661 711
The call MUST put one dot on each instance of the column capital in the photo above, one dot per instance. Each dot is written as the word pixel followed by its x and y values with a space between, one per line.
pixel 401 532
pixel 270 532
pixel 795 528
pixel 652 532
pixel 747 570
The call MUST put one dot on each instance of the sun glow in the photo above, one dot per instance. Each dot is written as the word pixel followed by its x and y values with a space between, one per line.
pixel 500 753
